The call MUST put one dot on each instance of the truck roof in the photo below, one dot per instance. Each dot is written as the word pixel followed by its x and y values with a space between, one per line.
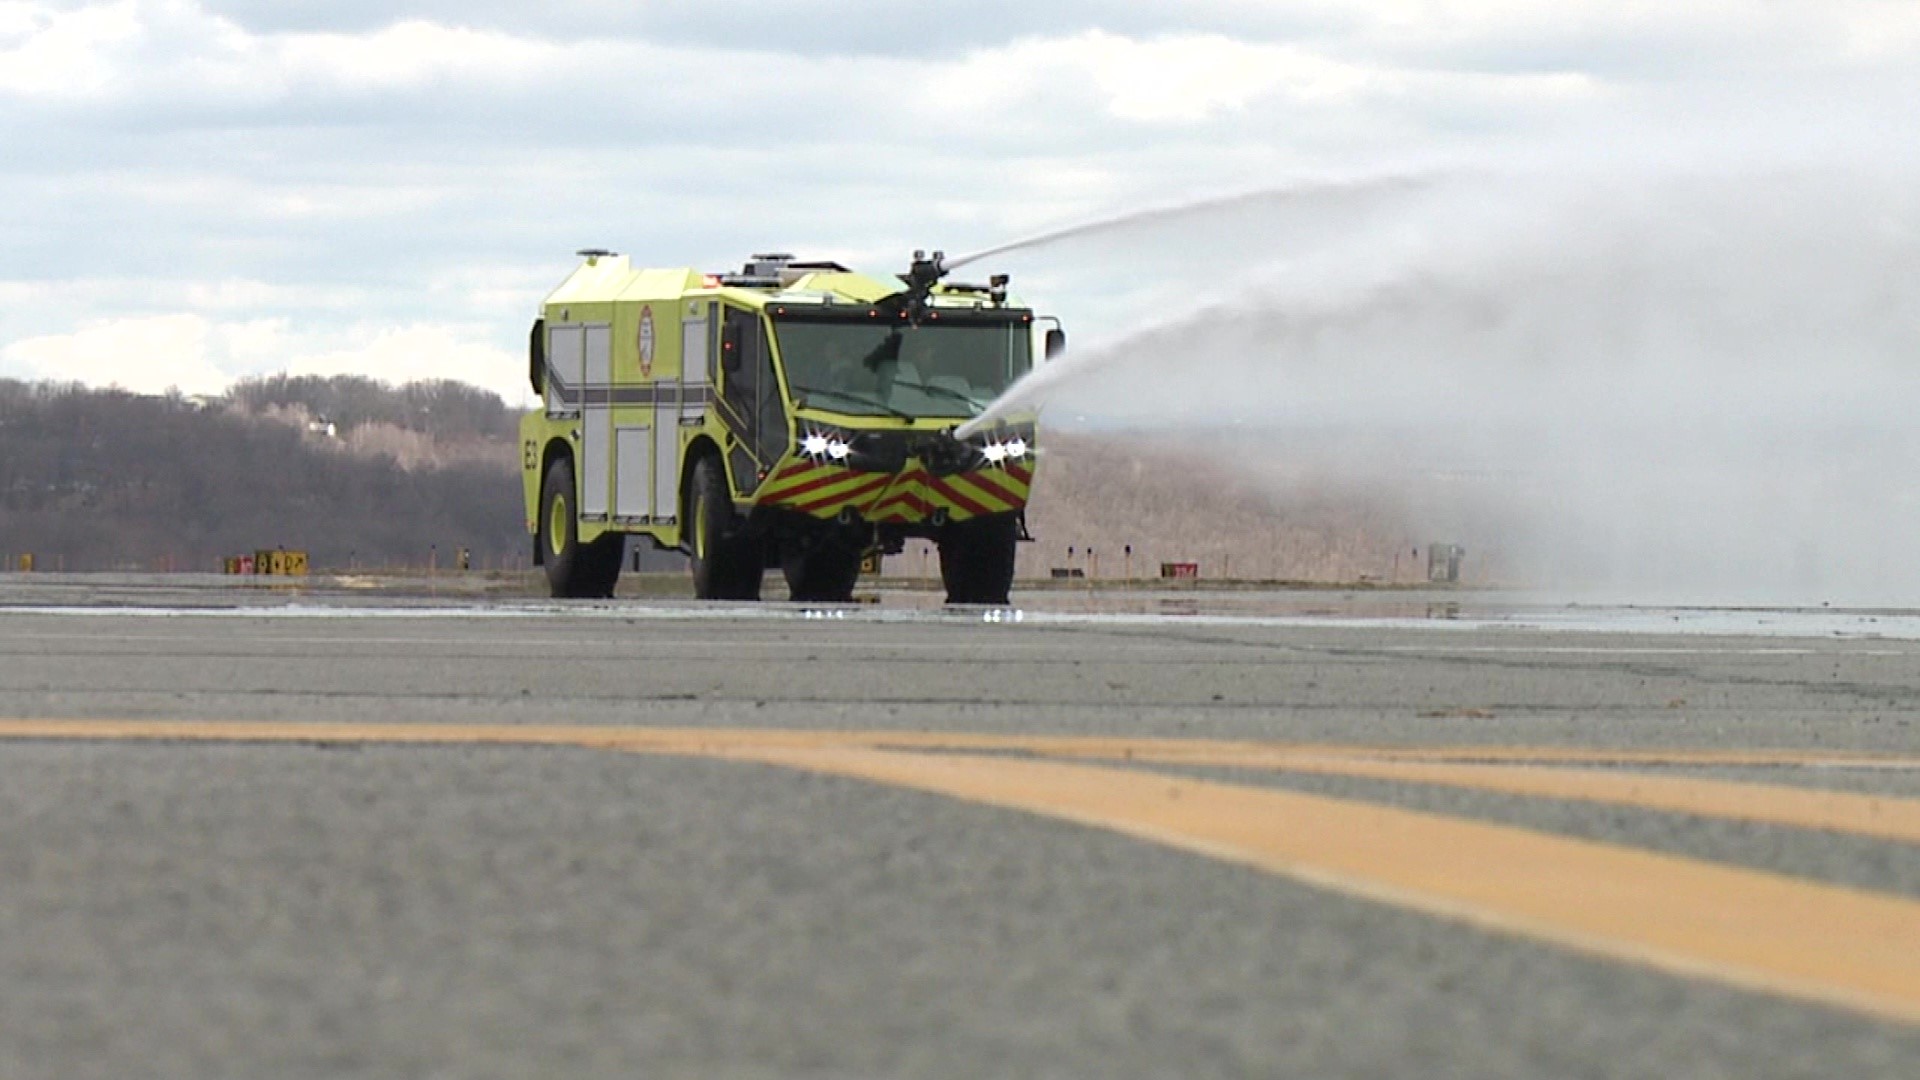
pixel 603 277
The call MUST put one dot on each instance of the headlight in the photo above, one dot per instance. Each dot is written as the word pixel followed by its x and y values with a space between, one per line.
pixel 1000 453
pixel 825 446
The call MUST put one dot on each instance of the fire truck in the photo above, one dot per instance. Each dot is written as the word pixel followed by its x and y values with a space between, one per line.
pixel 794 415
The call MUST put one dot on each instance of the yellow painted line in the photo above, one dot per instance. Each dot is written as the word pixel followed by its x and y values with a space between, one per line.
pixel 1164 750
pixel 1879 817
pixel 1707 758
pixel 1803 939
pixel 1760 931
pixel 1161 750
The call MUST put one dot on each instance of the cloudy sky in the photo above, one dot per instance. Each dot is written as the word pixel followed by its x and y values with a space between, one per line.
pixel 193 191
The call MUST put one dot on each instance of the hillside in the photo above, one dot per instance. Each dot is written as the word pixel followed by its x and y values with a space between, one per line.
pixel 362 474
pixel 103 479
pixel 1174 499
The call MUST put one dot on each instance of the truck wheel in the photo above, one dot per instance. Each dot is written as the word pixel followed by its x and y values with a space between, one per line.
pixel 604 558
pixel 573 568
pixel 725 566
pixel 824 573
pixel 976 559
pixel 559 531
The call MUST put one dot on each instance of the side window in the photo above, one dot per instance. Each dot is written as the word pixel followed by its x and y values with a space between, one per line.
pixel 750 395
pixel 772 434
pixel 741 346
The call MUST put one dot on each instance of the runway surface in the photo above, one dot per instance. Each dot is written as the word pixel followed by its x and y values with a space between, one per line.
pixel 334 832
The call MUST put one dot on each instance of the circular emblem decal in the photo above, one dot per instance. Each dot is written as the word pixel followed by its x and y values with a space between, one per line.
pixel 646 342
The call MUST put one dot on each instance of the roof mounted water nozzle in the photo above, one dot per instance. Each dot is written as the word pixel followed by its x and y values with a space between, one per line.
pixel 925 273
pixel 921 276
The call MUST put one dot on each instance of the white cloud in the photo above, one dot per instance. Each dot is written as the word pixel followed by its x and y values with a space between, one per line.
pixel 49 52
pixel 146 355
pixel 1188 79
pixel 408 353
pixel 1171 79
pixel 178 50
pixel 198 355
pixel 407 54
pixel 396 185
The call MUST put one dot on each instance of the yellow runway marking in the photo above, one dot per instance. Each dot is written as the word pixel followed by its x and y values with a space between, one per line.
pixel 1763 931
pixel 1883 818
pixel 1167 750
pixel 1565 755
pixel 1886 818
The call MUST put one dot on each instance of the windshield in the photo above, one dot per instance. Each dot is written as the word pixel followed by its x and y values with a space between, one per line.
pixel 906 371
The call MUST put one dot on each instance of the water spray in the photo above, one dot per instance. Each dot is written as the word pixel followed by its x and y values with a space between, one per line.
pixel 1267 198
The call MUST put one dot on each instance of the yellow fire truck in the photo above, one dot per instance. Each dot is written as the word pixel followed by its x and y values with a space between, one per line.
pixel 793 415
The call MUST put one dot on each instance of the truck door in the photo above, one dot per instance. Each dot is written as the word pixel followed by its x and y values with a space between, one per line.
pixel 750 398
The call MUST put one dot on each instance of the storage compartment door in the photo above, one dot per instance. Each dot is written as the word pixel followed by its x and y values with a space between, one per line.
pixel 596 468
pixel 633 474
pixel 596 450
pixel 666 460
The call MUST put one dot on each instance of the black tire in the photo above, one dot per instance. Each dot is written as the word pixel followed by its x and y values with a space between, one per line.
pixel 605 559
pixel 976 559
pixel 574 570
pixel 569 562
pixel 726 566
pixel 823 574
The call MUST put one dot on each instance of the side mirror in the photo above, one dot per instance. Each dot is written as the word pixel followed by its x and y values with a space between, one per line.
pixel 1056 343
pixel 730 348
pixel 537 356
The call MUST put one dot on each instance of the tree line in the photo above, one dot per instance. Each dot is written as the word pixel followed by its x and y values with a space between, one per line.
pixel 443 408
pixel 103 479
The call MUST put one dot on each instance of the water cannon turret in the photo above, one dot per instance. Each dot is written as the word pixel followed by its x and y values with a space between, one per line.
pixel 922 275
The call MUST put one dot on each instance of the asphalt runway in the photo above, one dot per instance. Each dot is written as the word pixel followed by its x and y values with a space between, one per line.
pixel 341 832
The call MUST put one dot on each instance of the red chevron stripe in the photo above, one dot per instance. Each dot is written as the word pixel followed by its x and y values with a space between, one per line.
pixel 866 488
pixel 794 468
pixel 832 477
pixel 956 498
pixel 979 480
pixel 912 500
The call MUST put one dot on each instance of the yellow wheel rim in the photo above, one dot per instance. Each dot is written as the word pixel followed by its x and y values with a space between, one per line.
pixel 557 525
pixel 700 529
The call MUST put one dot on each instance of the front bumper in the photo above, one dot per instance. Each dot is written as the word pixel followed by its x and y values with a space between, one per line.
pixel 908 484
